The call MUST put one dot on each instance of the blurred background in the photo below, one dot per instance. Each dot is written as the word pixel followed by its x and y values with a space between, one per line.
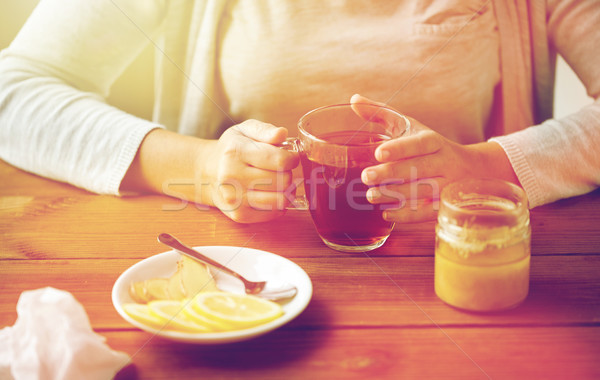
pixel 133 91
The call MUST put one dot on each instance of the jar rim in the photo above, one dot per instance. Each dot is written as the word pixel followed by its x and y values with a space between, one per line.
pixel 484 200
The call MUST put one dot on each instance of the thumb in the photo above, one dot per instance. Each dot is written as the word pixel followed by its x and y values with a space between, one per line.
pixel 357 98
pixel 263 132
pixel 380 113
pixel 368 109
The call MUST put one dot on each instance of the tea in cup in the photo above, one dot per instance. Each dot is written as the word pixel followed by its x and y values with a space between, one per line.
pixel 335 144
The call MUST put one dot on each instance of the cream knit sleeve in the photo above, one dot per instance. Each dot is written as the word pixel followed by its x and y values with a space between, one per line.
pixel 560 158
pixel 53 80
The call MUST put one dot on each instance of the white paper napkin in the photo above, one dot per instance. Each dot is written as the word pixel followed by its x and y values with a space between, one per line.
pixel 52 339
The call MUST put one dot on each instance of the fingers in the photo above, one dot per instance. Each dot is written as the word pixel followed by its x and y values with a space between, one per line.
pixel 421 143
pixel 254 179
pixel 251 143
pixel 247 194
pixel 263 132
pixel 409 180
pixel 404 171
pixel 265 156
pixel 253 206
pixel 263 180
pixel 417 201
pixel 426 188
pixel 234 181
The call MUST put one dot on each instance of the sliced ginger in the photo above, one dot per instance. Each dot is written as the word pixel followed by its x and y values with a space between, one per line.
pixel 191 278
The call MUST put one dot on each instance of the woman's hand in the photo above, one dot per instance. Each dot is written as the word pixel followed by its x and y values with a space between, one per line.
pixel 414 169
pixel 251 179
pixel 243 173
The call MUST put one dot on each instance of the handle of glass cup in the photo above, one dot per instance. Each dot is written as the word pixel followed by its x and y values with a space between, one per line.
pixel 299 202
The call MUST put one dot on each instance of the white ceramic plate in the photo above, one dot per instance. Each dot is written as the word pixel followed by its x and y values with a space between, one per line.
pixel 250 263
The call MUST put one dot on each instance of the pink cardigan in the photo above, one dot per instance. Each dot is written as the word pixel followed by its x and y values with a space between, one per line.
pixel 556 158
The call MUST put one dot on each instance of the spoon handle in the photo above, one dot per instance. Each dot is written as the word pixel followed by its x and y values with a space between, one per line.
pixel 172 242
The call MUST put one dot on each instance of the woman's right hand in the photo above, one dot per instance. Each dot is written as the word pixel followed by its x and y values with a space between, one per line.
pixel 250 178
pixel 243 173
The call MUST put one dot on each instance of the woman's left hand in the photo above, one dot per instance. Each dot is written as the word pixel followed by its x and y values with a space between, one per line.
pixel 415 168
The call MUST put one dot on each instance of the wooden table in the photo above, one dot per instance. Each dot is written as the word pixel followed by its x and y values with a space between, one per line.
pixel 371 316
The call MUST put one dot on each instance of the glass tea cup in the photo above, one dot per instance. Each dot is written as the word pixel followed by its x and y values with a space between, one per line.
pixel 336 143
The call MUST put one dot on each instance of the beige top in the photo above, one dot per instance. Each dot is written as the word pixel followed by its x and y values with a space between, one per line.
pixel 468 83
pixel 278 61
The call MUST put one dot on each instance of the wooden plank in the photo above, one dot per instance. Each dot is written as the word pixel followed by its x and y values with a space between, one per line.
pixel 478 353
pixel 354 291
pixel 79 226
pixel 89 226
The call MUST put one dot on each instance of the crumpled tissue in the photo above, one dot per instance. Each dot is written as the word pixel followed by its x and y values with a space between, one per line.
pixel 52 339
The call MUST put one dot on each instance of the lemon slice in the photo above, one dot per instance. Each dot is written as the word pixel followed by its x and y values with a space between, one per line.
pixel 141 313
pixel 172 317
pixel 190 312
pixel 237 310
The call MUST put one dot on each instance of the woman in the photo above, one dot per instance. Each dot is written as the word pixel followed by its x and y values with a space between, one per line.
pixel 234 76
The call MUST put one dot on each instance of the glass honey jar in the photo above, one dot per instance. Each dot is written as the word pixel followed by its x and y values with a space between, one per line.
pixel 482 250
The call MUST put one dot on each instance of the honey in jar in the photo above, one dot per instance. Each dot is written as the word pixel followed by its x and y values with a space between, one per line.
pixel 482 252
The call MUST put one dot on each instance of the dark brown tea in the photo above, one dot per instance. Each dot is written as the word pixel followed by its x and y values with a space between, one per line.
pixel 335 192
